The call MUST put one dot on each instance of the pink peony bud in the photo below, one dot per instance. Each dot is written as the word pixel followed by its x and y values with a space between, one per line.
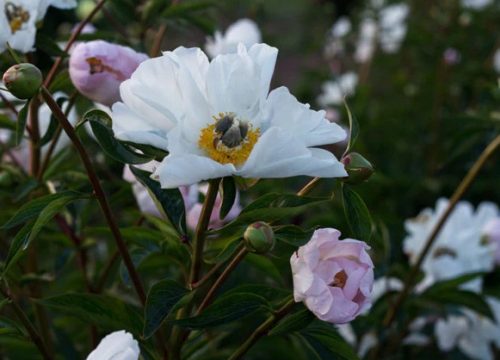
pixel 333 278
pixel 97 68
pixel 491 231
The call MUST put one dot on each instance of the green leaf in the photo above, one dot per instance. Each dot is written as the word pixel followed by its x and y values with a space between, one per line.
pixel 270 207
pixel 53 125
pixel 6 122
pixel 148 150
pixel 161 299
pixel 105 312
pixel 48 45
pixel 353 129
pixel 34 208
pixel 186 8
pixel 101 123
pixel 293 322
pixel 292 234
pixel 452 284
pixel 456 297
pixel 357 214
pixel 327 343
pixel 228 196
pixel 170 200
pixel 43 209
pixel 17 246
pixel 21 122
pixel 226 309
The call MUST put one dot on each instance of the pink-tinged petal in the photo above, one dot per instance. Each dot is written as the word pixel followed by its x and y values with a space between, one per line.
pixel 97 68
pixel 343 310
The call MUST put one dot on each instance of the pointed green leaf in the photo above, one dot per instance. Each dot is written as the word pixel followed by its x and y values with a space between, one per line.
pixel 357 214
pixel 327 343
pixel 228 196
pixel 21 122
pixel 101 125
pixel 171 200
pixel 161 299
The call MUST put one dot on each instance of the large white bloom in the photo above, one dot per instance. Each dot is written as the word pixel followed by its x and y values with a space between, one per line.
pixel 459 248
pixel 472 333
pixel 217 119
pixel 119 345
pixel 18 21
pixel 243 31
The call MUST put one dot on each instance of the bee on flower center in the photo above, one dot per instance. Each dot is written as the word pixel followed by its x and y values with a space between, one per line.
pixel 16 15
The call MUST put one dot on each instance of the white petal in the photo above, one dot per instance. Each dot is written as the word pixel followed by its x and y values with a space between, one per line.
pixel 278 154
pixel 187 169
pixel 129 126
pixel 119 345
pixel 283 110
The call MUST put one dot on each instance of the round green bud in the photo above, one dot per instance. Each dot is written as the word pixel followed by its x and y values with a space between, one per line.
pixel 259 237
pixel 358 168
pixel 23 80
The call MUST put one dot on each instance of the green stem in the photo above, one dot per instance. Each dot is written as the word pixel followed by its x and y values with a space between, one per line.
pixel 201 228
pixel 53 70
pixel 220 280
pixel 459 192
pixel 263 329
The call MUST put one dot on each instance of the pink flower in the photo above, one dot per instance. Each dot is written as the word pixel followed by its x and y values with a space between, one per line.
pixel 492 233
pixel 333 278
pixel 97 68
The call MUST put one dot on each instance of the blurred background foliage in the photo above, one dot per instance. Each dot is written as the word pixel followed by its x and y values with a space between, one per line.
pixel 422 121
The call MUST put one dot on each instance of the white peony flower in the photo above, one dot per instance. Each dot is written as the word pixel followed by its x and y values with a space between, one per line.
pixel 392 22
pixel 243 31
pixel 472 333
pixel 335 91
pixel 476 4
pixel 18 24
pixel 458 249
pixel 217 119
pixel 119 345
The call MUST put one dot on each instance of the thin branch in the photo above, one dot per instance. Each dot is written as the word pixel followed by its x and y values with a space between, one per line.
pixel 30 328
pixel 459 192
pixel 55 67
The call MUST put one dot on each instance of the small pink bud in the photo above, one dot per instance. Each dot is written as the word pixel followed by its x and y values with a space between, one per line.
pixel 334 278
pixel 97 68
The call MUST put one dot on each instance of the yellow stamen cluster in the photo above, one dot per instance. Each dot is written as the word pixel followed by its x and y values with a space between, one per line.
pixel 16 16
pixel 210 142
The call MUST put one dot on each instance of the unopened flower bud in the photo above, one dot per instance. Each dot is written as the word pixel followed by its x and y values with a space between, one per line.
pixel 259 237
pixel 358 168
pixel 97 68
pixel 23 80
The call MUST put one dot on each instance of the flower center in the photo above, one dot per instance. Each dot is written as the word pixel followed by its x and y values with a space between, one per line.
pixel 339 279
pixel 228 140
pixel 16 16
pixel 443 251
pixel 97 66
